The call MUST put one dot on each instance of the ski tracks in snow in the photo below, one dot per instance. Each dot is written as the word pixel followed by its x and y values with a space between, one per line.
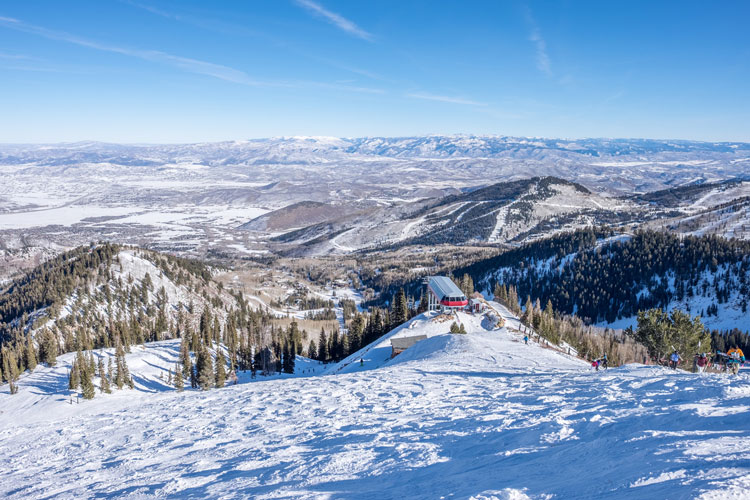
pixel 482 416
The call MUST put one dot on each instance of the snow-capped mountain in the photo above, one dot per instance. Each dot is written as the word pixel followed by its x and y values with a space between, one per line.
pixel 194 198
pixel 507 212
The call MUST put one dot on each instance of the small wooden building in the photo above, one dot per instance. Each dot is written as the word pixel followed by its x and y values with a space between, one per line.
pixel 477 305
pixel 401 344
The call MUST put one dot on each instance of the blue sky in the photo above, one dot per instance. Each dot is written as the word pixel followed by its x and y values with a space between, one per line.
pixel 184 71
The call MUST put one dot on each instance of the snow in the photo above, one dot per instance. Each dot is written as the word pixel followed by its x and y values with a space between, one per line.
pixel 480 415
pixel 64 216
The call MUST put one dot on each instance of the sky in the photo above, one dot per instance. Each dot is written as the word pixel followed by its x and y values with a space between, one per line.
pixel 192 71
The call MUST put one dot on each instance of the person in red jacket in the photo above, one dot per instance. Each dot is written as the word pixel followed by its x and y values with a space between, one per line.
pixel 702 362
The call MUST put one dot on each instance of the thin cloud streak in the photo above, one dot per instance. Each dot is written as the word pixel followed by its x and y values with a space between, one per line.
pixel 542 57
pixel 442 98
pixel 197 66
pixel 24 57
pixel 226 28
pixel 336 19
pixel 185 63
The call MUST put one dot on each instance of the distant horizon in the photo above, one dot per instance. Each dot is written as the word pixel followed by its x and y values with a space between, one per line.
pixel 304 137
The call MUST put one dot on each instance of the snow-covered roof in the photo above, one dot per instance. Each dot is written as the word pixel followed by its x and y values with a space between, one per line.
pixel 406 342
pixel 444 287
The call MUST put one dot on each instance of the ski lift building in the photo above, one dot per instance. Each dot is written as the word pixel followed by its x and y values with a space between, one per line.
pixel 443 294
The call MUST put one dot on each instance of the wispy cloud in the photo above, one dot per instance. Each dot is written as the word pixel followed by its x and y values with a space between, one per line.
pixel 535 36
pixel 197 66
pixel 443 98
pixel 233 29
pixel 204 22
pixel 336 19
pixel 16 57
pixel 542 58
pixel 185 63
pixel 153 10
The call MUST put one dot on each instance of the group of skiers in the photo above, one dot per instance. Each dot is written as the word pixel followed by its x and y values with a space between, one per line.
pixel 731 360
pixel 600 363
pixel 728 361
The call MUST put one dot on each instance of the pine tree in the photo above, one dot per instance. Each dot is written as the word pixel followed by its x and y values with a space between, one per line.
pixel 7 372
pixel 185 358
pixel 193 375
pixel 91 364
pixel 178 381
pixel 74 377
pixel 528 313
pixel 292 358
pixel 204 365
pixel 334 349
pixel 467 285
pixel 285 358
pixel 122 375
pixel 10 363
pixel 221 374
pixel 323 346
pixel 513 302
pixel 277 356
pixel 205 327
pixel 87 387
pixel 216 330
pixel 50 348
pixel 104 383
pixel 312 350
pixel 400 310
pixel 422 307
pixel 30 354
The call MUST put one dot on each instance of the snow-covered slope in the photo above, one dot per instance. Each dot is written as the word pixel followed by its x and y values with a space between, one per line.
pixel 480 415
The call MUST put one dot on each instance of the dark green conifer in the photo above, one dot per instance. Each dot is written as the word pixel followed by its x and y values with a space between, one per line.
pixel 206 377
pixel 221 374
pixel 178 381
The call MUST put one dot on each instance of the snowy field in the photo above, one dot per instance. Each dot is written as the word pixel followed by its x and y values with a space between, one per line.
pixel 456 416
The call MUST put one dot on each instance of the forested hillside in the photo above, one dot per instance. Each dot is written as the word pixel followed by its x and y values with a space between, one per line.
pixel 604 278
pixel 105 295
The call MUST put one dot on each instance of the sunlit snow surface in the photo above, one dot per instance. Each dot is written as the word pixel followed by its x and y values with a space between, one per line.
pixel 456 416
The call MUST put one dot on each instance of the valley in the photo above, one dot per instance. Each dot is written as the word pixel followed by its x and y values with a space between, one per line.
pixel 306 196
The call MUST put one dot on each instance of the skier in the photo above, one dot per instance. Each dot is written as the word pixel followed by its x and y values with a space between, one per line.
pixel 735 357
pixel 702 362
pixel 736 353
pixel 604 361
pixel 526 339
pixel 674 360
pixel 361 362
pixel 595 364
